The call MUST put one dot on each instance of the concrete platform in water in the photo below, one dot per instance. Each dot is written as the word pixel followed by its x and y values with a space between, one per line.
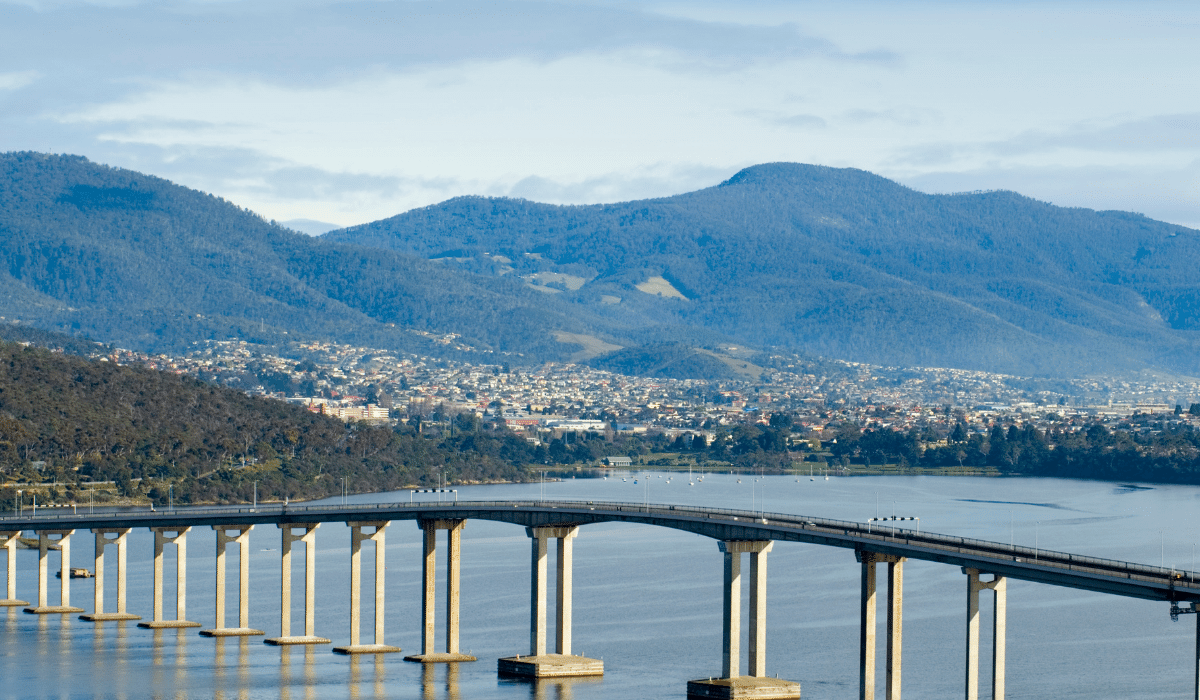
pixel 439 658
pixel 550 666
pixel 231 632
pixel 756 687
pixel 167 624
pixel 52 610
pixel 108 617
pixel 366 649
pixel 285 641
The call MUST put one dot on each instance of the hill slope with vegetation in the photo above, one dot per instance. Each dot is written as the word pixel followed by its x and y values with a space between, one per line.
pixel 847 264
pixel 137 261
pixel 66 420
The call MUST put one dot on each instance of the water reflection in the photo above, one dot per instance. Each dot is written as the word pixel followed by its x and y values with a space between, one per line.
pixel 288 677
pixel 156 659
pixel 558 688
pixel 181 663
pixel 379 675
pixel 243 667
pixel 429 681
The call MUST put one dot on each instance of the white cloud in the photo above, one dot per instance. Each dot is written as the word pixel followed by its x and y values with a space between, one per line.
pixel 16 81
pixel 348 111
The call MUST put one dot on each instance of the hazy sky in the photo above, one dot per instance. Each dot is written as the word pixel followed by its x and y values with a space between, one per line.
pixel 348 112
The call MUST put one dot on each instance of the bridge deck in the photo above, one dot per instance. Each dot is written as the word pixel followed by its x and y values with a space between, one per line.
pixel 1024 563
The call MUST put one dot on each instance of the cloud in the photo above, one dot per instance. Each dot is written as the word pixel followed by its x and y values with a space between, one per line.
pixel 1165 132
pixel 291 43
pixel 779 118
pixel 1163 193
pixel 1172 133
pixel 16 81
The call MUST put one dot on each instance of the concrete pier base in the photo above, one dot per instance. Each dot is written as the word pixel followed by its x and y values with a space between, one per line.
pixel 758 687
pixel 8 542
pixel 428 654
pixel 550 666
pixel 242 540
pixel 357 536
pixel 366 649
pixel 64 547
pixel 103 538
pixel 52 610
pixel 109 617
pixel 167 624
pixel 303 639
pixel 308 537
pixel 441 658
pixel 161 540
pixel 231 632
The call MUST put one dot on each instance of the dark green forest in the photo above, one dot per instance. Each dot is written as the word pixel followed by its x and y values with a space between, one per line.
pixel 66 420
pixel 1144 448
pixel 843 263
pixel 672 360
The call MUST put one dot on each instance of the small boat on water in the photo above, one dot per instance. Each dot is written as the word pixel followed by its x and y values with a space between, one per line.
pixel 76 572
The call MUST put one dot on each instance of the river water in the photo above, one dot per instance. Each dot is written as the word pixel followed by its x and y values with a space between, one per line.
pixel 648 600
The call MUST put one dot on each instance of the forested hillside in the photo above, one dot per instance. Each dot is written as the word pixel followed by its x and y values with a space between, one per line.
pixel 819 261
pixel 146 430
pixel 847 264
pixel 137 261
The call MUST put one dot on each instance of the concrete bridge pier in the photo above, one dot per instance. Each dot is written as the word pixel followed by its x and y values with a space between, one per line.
pixel 540 664
pixel 8 542
pixel 999 586
pixel 429 653
pixel 1196 610
pixel 64 596
pixel 732 684
pixel 895 624
pixel 161 540
pixel 242 539
pixel 103 539
pixel 310 590
pixel 357 536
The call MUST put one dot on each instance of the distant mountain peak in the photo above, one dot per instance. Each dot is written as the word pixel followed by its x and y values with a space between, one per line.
pixel 799 173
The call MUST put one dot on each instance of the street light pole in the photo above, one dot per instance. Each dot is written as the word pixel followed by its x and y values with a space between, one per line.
pixel 256 494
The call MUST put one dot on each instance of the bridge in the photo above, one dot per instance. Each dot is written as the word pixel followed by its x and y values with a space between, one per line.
pixel 986 565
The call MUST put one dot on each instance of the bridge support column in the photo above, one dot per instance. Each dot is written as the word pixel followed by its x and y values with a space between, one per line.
pixel 64 597
pixel 998 585
pixel 867 624
pixel 161 540
pixel 103 539
pixel 357 536
pixel 732 684
pixel 429 653
pixel 8 542
pixel 242 539
pixel 285 588
pixel 540 664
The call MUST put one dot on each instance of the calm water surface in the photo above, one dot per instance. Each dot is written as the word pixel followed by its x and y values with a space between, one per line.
pixel 647 601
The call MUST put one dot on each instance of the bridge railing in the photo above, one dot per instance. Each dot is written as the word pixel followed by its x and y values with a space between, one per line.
pixel 883 534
